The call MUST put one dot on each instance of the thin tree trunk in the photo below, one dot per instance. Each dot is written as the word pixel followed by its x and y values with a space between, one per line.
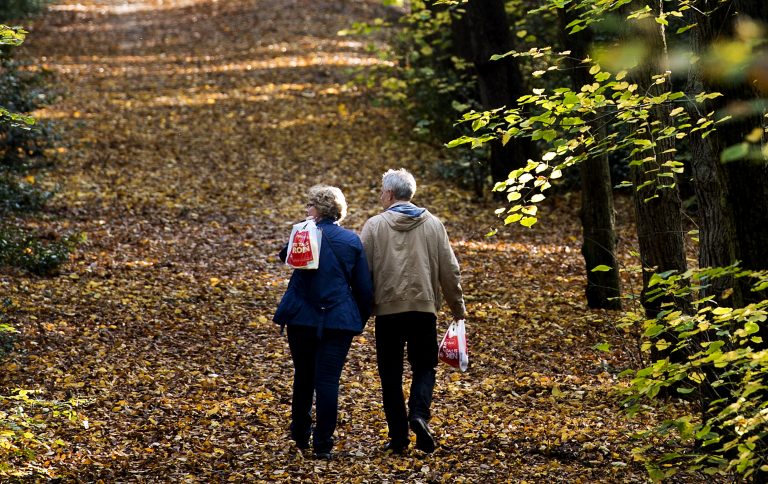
pixel 597 212
pixel 718 242
pixel 500 82
pixel 658 209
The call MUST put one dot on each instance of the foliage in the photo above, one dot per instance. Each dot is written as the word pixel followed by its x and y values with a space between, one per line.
pixel 15 9
pixel 25 433
pixel 427 78
pixel 561 119
pixel 22 91
pixel 33 253
pixel 722 363
pixel 7 332
pixel 567 120
pixel 19 191
pixel 11 35
pixel 22 195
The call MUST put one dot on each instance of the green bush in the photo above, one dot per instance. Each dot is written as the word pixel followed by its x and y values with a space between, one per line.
pixel 432 84
pixel 7 338
pixel 717 359
pixel 20 196
pixel 32 253
pixel 22 91
pixel 16 9
pixel 27 425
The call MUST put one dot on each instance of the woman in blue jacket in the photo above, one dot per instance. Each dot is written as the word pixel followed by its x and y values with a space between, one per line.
pixel 323 309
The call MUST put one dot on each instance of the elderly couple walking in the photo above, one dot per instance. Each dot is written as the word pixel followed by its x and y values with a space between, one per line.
pixel 397 270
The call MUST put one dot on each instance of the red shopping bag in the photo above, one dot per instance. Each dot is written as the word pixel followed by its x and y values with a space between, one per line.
pixel 453 347
pixel 304 246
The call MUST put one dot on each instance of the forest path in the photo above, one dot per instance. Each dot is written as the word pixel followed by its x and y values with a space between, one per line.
pixel 191 131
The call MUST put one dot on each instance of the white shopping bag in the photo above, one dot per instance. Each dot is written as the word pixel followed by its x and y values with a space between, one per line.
pixel 453 347
pixel 304 246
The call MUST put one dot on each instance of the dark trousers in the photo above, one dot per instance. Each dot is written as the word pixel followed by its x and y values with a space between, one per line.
pixel 417 331
pixel 317 364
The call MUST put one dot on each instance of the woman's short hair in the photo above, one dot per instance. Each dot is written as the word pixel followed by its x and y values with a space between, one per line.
pixel 328 201
pixel 400 182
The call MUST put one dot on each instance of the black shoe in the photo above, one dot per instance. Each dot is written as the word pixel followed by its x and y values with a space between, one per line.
pixel 323 455
pixel 302 439
pixel 395 448
pixel 424 440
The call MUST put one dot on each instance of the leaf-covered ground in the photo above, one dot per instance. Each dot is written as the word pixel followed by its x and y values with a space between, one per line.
pixel 190 131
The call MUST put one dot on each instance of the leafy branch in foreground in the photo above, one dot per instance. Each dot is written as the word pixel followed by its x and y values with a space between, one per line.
pixel 13 36
pixel 722 367
pixel 569 122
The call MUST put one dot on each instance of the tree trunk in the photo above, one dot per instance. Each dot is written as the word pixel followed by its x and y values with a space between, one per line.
pixel 500 82
pixel 597 212
pixel 658 209
pixel 718 242
pixel 733 197
pixel 748 179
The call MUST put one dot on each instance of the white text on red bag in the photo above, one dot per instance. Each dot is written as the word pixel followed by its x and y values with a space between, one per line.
pixel 453 347
pixel 304 246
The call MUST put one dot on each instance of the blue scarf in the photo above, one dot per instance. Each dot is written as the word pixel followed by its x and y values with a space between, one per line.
pixel 408 209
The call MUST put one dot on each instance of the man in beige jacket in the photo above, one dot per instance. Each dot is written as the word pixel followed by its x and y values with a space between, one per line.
pixel 413 265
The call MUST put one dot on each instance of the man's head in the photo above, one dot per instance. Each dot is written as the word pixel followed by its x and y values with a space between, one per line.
pixel 397 185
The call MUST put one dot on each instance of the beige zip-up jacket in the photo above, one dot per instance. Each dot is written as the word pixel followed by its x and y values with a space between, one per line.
pixel 412 264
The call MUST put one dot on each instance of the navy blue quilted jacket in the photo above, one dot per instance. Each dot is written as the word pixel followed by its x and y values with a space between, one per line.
pixel 336 295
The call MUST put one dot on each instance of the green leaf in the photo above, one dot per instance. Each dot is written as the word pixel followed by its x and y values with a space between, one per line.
pixel 735 152
pixel 676 111
pixel 602 76
pixel 601 268
pixel 751 328
pixel 654 330
pixel 721 311
pixel 602 347
pixel 528 221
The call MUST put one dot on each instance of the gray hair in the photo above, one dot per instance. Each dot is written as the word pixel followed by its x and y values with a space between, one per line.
pixel 400 182
pixel 328 201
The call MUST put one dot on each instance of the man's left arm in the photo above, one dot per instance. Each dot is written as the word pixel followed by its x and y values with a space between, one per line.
pixel 450 277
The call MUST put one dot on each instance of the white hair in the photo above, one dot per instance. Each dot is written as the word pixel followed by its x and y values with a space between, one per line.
pixel 400 182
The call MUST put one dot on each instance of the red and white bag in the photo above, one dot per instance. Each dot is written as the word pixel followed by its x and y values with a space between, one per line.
pixel 453 347
pixel 304 246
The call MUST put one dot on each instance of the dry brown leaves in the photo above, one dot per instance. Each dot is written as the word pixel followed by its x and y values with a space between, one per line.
pixel 191 129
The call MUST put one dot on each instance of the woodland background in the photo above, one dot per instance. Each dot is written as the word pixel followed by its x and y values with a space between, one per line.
pixel 155 154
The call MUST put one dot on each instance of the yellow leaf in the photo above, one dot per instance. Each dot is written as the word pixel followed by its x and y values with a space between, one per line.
pixel 754 136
